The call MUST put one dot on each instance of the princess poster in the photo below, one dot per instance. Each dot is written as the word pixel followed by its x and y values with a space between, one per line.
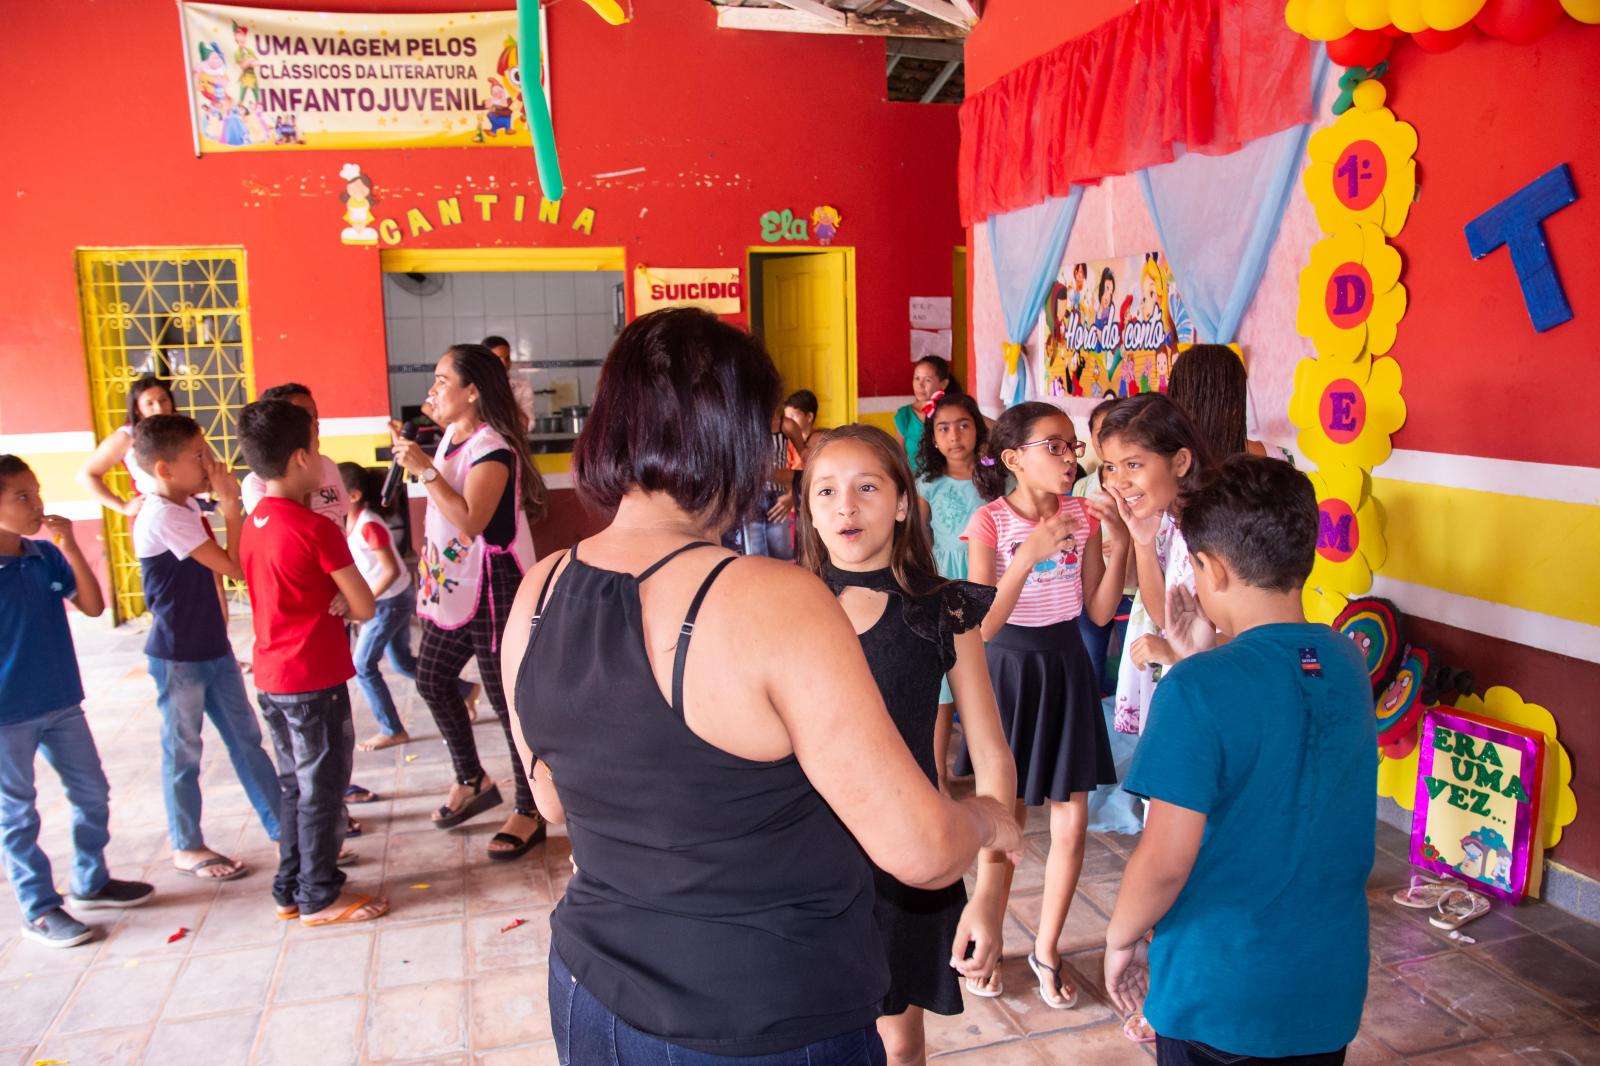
pixel 1114 327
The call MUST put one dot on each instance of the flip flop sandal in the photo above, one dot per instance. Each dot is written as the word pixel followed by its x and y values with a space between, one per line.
pixel 357 794
pixel 991 990
pixel 483 799
pixel 1457 907
pixel 289 912
pixel 344 916
pixel 518 848
pixel 1137 1029
pixel 347 858
pixel 352 828
pixel 216 860
pixel 1423 893
pixel 1053 975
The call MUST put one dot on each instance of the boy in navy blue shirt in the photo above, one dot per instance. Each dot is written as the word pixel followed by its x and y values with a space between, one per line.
pixel 40 697
pixel 1260 764
pixel 191 659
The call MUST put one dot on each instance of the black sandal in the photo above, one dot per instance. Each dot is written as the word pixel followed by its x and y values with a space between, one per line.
pixel 519 847
pixel 482 800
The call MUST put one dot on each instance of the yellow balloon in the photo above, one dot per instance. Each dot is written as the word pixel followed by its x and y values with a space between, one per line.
pixel 1450 14
pixel 1325 20
pixel 1407 15
pixel 1294 13
pixel 1583 10
pixel 609 10
pixel 1368 96
pixel 1367 14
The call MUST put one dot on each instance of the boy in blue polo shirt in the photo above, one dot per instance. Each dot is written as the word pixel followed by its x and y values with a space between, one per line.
pixel 191 659
pixel 40 697
pixel 1260 764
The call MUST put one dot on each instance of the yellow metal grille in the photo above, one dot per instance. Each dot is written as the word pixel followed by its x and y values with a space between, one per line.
pixel 182 314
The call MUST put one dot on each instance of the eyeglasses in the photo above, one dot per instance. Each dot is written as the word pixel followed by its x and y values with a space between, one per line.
pixel 1057 447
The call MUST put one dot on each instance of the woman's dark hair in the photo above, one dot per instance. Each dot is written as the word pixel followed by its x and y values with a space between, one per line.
pixel 940 366
pixel 1106 275
pixel 684 406
pixel 1153 422
pixel 479 368
pixel 494 340
pixel 911 552
pixel 138 389
pixel 1260 515
pixel 931 463
pixel 1010 430
pixel 270 432
pixel 1208 382
pixel 369 483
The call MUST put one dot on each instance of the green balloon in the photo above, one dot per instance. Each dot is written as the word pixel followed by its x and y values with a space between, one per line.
pixel 535 103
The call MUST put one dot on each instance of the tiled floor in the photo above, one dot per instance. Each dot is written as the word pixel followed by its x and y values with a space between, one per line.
pixel 446 978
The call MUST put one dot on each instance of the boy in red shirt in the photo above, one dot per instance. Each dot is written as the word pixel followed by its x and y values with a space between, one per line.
pixel 303 583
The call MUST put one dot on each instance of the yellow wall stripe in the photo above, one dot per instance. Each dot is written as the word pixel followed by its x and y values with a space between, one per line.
pixel 1537 555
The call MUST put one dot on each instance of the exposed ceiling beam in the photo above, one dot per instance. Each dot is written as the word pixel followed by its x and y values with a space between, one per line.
pixel 816 9
pixel 943 10
pixel 939 82
pixel 887 24
pixel 894 61
pixel 869 7
pixel 943 50
pixel 968 8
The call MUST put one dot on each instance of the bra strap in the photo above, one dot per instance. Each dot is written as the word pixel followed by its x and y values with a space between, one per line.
pixel 544 592
pixel 687 630
pixel 671 555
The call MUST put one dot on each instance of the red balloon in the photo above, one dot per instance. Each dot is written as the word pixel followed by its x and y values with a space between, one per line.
pixel 1437 41
pixel 1362 48
pixel 1392 30
pixel 1519 21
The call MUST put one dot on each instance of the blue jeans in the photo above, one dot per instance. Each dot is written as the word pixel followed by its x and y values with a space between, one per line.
pixel 68 745
pixel 315 744
pixel 388 632
pixel 186 694
pixel 587 1034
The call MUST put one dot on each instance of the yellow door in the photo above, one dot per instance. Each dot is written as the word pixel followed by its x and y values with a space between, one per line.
pixel 805 324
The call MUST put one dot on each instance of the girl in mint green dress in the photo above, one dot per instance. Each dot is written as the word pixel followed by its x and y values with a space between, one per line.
pixel 951 445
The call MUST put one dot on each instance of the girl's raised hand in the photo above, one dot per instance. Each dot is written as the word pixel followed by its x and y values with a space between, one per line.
pixel 1112 529
pixel 1052 535
pixel 1142 530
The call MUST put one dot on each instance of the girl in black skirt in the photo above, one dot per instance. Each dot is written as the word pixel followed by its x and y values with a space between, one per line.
pixel 861 531
pixel 1041 547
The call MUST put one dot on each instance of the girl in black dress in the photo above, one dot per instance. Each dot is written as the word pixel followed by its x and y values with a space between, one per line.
pixel 861 531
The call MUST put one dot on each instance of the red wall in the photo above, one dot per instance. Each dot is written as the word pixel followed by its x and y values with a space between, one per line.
pixel 1490 118
pixel 726 124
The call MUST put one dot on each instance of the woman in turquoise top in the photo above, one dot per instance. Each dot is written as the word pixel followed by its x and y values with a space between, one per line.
pixel 930 378
pixel 946 455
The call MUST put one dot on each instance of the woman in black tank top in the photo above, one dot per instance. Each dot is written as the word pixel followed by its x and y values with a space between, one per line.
pixel 727 785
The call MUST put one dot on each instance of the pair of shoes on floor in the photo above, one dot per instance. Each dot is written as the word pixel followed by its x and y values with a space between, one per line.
pixel 58 929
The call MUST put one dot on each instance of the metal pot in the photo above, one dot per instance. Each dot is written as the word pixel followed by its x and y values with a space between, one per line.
pixel 575 417
pixel 550 424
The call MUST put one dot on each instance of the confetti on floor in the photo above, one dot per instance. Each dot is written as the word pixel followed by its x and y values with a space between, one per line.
pixel 182 932
pixel 513 924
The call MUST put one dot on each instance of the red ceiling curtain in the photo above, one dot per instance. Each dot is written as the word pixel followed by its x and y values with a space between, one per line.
pixel 1208 74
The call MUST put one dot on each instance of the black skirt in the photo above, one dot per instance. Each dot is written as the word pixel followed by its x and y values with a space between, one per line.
pixel 918 927
pixel 1047 692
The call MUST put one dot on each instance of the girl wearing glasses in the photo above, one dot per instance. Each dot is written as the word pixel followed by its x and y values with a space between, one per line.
pixel 1041 548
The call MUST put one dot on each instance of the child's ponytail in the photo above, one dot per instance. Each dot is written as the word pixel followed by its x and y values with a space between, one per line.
pixel 1009 432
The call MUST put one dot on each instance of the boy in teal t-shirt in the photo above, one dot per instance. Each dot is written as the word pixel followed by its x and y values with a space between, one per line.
pixel 1260 764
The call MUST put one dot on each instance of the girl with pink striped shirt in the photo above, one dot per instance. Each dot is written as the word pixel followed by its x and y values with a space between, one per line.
pixel 1041 548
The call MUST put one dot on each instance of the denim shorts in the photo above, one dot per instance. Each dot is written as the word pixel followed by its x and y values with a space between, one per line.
pixel 588 1034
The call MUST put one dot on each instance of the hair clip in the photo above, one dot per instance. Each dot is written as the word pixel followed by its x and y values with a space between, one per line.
pixel 933 402
pixel 987 460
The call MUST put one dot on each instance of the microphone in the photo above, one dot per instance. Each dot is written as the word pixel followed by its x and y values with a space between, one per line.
pixel 397 473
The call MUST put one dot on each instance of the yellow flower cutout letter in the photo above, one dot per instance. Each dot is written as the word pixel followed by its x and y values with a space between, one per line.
pixel 1361 170
pixel 1351 299
pixel 1350 542
pixel 1347 411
